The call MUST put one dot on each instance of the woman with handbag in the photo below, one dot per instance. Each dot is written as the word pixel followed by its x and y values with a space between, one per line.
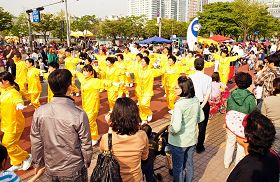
pixel 129 143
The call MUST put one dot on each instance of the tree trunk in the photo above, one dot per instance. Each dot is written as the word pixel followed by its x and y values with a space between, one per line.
pixel 244 35
pixel 45 37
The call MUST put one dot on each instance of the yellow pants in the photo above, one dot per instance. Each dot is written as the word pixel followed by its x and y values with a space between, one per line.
pixel 23 92
pixel 112 97
pixel 93 125
pixel 224 78
pixel 122 90
pixel 163 80
pixel 128 79
pixel 16 153
pixel 35 99
pixel 74 88
pixel 170 98
pixel 144 107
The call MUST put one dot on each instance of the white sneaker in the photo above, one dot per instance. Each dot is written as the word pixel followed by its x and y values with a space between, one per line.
pixel 127 95
pixel 27 163
pixel 71 95
pixel 94 142
pixel 131 85
pixel 226 166
pixel 150 118
pixel 164 95
pixel 137 104
pixel 144 122
pixel 77 94
pixel 170 111
pixel 161 86
pixel 15 168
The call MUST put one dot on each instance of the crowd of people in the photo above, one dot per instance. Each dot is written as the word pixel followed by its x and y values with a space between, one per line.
pixel 62 134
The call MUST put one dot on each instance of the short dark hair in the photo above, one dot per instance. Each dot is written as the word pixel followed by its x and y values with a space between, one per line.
pixel 89 68
pixel 146 52
pixel 276 86
pixel 111 60
pixel 147 60
pixel 54 65
pixel 7 76
pixel 68 50
pixel 120 55
pixel 3 155
pixel 125 117
pixel 199 64
pixel 18 54
pixel 148 129
pixel 260 133
pixel 186 85
pixel 273 58
pixel 173 58
pixel 30 60
pixel 59 81
pixel 140 55
pixel 216 77
pixel 243 80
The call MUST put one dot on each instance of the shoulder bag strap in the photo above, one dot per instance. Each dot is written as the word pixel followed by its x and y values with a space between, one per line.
pixel 110 141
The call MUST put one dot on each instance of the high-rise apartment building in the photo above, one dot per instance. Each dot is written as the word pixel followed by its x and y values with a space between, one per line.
pixel 149 8
pixel 273 7
pixel 180 10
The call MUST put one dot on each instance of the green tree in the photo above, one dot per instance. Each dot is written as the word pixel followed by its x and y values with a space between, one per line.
pixel 246 15
pixel 87 22
pixel 150 28
pixel 48 23
pixel 60 32
pixel 111 29
pixel 20 26
pixel 5 20
pixel 217 18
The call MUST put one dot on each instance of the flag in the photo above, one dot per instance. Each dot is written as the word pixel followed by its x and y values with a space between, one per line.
pixel 192 33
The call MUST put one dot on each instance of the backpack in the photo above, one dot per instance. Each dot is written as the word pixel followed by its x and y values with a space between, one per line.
pixel 107 168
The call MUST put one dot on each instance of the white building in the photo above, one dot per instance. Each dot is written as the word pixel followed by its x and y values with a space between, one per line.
pixel 273 7
pixel 149 8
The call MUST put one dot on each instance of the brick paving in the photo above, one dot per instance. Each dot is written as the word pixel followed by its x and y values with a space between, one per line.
pixel 208 166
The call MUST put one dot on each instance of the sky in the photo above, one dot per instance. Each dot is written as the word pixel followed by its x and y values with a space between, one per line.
pixel 100 8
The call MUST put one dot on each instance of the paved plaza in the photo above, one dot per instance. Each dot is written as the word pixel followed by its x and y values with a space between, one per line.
pixel 208 166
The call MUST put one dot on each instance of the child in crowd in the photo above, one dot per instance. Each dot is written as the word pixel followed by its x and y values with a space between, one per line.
pixel 41 64
pixel 148 165
pixel 217 86
pixel 259 87
pixel 5 175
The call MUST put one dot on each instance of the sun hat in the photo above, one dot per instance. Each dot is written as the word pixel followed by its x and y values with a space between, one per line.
pixel 236 122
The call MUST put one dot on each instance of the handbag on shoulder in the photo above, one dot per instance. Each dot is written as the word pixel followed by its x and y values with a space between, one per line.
pixel 107 168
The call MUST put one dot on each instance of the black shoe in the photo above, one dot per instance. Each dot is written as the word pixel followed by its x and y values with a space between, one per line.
pixel 230 82
pixel 170 171
pixel 200 149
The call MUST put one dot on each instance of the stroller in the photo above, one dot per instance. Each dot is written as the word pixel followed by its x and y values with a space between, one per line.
pixel 157 142
pixel 218 104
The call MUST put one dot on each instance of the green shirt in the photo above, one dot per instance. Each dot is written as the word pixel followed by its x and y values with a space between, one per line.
pixel 186 115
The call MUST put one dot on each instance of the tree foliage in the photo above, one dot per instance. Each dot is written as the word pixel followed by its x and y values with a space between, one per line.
pixel 20 26
pixel 5 20
pixel 48 23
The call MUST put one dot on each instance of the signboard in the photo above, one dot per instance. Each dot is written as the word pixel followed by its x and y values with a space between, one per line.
pixel 36 16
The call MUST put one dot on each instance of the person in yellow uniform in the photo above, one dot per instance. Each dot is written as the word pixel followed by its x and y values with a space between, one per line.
pixel 112 73
pixel 163 63
pixel 172 72
pixel 224 64
pixel 34 83
pixel 12 122
pixel 144 88
pixel 122 67
pixel 128 59
pixel 189 62
pixel 51 67
pixel 136 66
pixel 90 86
pixel 70 64
pixel 21 75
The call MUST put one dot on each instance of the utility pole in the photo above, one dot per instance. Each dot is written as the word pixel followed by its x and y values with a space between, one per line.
pixel 67 24
pixel 29 28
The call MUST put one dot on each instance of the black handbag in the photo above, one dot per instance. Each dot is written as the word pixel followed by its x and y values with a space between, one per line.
pixel 107 168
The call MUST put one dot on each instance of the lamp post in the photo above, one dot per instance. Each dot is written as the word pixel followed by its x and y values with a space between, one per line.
pixel 29 28
pixel 67 24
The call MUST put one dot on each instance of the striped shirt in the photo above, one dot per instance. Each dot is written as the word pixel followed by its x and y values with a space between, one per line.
pixel 9 176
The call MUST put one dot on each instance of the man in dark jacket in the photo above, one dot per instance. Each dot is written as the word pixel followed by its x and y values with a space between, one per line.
pixel 241 100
